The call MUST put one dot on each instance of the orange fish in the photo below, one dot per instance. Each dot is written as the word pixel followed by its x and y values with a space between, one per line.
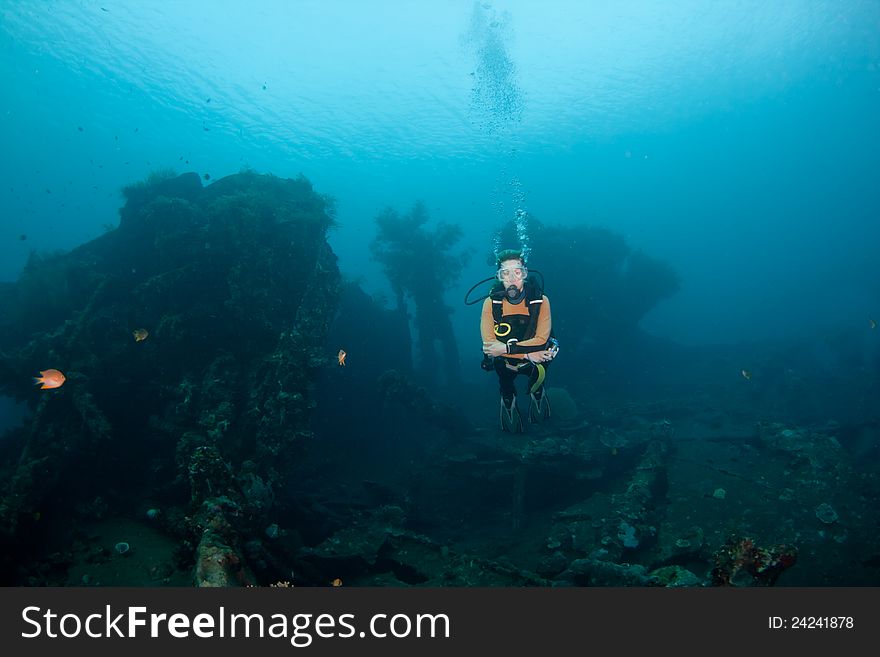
pixel 336 582
pixel 341 357
pixel 747 374
pixel 140 334
pixel 50 379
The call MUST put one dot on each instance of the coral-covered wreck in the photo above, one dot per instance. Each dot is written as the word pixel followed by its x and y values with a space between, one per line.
pixel 228 290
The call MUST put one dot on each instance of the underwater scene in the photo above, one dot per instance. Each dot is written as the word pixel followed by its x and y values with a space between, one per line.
pixel 440 294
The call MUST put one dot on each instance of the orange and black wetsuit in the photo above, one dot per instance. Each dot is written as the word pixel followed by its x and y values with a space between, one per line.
pixel 520 332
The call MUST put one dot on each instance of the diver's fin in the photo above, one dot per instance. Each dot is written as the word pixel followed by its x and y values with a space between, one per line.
pixel 510 418
pixel 539 407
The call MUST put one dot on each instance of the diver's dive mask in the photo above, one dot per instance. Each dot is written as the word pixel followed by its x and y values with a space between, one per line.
pixel 512 273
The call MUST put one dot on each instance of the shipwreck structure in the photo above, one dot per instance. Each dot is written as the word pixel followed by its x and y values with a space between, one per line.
pixel 189 337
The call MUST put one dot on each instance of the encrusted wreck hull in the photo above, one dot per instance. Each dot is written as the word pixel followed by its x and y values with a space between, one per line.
pixel 236 287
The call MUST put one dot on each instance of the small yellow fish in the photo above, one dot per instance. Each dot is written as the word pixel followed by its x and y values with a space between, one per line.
pixel 336 582
pixel 746 374
pixel 872 323
pixel 341 357
pixel 140 334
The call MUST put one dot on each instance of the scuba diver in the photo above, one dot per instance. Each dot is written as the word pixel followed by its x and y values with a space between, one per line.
pixel 518 338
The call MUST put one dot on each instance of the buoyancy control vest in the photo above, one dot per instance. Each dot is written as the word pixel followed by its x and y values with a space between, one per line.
pixel 519 327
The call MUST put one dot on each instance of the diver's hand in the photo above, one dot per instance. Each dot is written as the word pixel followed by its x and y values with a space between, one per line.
pixel 543 356
pixel 494 348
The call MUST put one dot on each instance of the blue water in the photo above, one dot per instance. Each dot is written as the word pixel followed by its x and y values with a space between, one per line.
pixel 737 141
